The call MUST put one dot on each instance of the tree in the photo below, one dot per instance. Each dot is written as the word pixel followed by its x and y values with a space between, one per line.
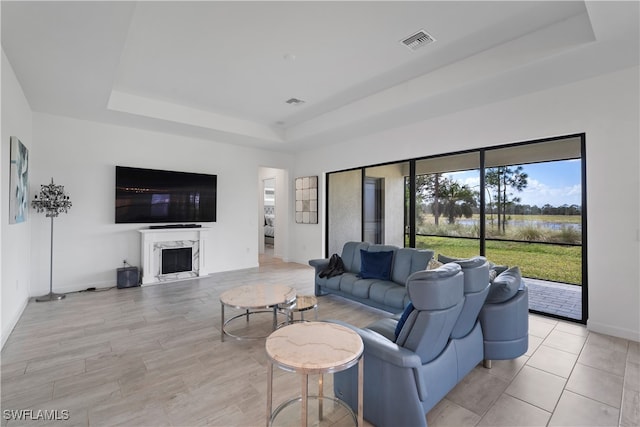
pixel 445 197
pixel 458 200
pixel 428 190
pixel 503 180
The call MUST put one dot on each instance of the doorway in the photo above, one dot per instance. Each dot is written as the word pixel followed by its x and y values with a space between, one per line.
pixel 269 206
pixel 374 210
pixel 273 214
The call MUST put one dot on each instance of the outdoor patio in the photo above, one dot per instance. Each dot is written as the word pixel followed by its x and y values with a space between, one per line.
pixel 555 298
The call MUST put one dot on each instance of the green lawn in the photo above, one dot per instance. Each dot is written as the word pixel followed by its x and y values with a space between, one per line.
pixel 547 262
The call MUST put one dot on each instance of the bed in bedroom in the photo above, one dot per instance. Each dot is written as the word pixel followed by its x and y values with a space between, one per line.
pixel 269 224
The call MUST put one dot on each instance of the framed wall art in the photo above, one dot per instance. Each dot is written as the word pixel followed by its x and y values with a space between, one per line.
pixel 18 182
pixel 307 200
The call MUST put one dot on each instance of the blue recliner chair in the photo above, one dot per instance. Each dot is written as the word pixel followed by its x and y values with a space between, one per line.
pixel 505 326
pixel 406 374
pixel 467 335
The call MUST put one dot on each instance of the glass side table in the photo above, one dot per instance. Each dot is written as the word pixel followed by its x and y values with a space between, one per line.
pixel 301 304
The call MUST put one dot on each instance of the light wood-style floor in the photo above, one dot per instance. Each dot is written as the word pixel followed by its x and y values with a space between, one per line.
pixel 152 356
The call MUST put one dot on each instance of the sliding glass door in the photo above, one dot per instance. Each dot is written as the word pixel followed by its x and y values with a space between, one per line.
pixel 534 219
pixel 520 204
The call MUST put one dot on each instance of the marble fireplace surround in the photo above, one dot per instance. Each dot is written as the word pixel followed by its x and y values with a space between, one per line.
pixel 154 241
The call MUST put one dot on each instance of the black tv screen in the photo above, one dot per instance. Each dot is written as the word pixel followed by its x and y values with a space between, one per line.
pixel 151 196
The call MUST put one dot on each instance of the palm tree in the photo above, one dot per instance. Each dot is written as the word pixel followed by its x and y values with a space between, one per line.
pixel 458 200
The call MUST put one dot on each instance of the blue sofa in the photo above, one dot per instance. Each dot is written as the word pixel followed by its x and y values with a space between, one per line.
pixel 390 294
pixel 413 359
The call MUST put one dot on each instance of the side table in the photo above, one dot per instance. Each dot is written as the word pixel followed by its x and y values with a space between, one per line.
pixel 313 348
pixel 301 304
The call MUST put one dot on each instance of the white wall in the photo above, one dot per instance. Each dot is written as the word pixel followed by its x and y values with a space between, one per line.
pixel 345 216
pixel 88 245
pixel 606 108
pixel 16 238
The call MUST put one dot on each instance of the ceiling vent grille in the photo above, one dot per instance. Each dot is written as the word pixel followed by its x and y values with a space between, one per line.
pixel 294 101
pixel 418 40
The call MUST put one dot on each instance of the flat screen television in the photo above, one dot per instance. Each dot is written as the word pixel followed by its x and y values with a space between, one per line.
pixel 153 196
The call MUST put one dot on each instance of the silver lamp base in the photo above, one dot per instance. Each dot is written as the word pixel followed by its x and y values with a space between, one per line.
pixel 50 297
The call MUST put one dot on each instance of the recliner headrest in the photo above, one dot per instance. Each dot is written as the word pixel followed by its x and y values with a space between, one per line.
pixel 476 273
pixel 436 289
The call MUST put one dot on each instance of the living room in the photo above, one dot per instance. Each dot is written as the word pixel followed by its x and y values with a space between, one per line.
pixel 80 152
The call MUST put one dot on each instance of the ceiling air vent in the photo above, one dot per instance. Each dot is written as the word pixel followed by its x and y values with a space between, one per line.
pixel 417 40
pixel 294 101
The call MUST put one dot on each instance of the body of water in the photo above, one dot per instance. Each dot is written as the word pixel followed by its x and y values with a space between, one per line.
pixel 525 223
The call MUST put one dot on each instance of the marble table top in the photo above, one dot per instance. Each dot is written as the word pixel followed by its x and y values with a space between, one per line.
pixel 258 296
pixel 314 347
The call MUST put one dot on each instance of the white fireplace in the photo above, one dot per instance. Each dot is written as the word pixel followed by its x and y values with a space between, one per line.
pixel 170 254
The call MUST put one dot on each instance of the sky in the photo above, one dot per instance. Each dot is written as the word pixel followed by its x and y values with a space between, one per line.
pixel 555 183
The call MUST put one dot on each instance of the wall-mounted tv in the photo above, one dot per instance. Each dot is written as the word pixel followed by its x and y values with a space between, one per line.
pixel 153 196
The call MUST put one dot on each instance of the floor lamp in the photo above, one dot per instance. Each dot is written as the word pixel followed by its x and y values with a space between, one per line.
pixel 53 201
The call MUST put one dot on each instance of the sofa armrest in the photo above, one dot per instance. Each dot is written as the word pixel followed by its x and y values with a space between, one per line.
pixel 384 349
pixel 319 264
pixel 380 347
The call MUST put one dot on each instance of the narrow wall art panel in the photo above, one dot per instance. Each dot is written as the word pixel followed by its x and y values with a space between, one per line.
pixel 307 200
pixel 18 182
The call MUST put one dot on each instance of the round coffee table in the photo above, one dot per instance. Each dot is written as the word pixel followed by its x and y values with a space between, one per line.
pixel 254 299
pixel 313 348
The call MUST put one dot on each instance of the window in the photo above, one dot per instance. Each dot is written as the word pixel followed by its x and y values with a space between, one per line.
pixel 518 204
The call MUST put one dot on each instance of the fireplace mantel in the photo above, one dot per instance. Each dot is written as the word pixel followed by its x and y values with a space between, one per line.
pixel 154 241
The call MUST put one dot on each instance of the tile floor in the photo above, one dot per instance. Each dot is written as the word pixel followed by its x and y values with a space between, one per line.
pixel 568 377
pixel 152 356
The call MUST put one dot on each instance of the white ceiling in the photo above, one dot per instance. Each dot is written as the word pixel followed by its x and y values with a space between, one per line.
pixel 223 70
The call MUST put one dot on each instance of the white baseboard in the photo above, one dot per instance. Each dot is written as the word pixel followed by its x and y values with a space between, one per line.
pixel 77 288
pixel 7 329
pixel 603 328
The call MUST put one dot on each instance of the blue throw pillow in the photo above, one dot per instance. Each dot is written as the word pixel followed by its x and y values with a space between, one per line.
pixel 405 315
pixel 375 265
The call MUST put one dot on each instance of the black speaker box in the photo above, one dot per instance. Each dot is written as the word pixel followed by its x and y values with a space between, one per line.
pixel 128 277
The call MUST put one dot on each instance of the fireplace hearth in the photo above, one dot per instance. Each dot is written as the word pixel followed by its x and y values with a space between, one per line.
pixel 173 254
pixel 176 260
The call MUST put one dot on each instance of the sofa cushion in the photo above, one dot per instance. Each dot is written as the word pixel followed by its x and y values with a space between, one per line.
pixel 388 294
pixel 351 255
pixel 352 284
pixel 405 314
pixel 407 261
pixel 497 268
pixel 505 286
pixel 375 265
pixel 447 259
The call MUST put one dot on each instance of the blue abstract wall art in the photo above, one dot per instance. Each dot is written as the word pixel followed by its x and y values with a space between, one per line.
pixel 18 182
